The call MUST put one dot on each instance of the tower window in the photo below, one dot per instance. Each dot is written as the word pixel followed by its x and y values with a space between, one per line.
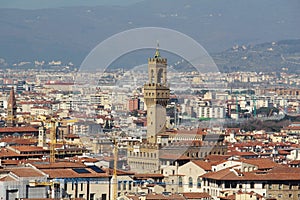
pixel 190 182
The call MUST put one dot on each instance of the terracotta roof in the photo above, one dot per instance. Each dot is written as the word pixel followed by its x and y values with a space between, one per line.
pixel 29 149
pixel 295 162
pixel 70 173
pixel 213 157
pixel 203 164
pixel 6 153
pixel 72 136
pixel 7 178
pixel 119 172
pixel 10 162
pixel 18 129
pixel 287 174
pixel 25 172
pixel 18 141
pixel 261 163
pixel 153 196
pixel 195 195
pixel 283 152
pixel 239 153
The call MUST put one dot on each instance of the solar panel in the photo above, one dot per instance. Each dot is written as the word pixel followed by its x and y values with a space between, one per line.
pixel 81 170
pixel 97 169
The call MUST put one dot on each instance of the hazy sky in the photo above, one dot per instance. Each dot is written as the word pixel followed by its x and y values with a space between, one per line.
pixel 36 4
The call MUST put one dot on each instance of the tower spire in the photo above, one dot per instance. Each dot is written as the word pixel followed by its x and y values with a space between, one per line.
pixel 157 53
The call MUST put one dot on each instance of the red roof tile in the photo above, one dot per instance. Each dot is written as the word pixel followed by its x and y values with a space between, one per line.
pixel 261 163
pixel 203 164
pixel 18 130
pixel 70 173
pixel 25 172
pixel 196 195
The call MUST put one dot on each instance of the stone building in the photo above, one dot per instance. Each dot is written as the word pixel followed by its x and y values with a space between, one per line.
pixel 148 156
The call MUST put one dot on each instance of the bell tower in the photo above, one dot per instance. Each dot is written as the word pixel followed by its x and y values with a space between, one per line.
pixel 156 95
pixel 11 109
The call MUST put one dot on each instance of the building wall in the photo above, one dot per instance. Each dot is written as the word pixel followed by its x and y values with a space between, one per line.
pixel 97 187
pixel 191 171
pixel 282 190
pixel 143 159
pixel 211 112
pixel 172 178
pixel 21 189
pixel 214 187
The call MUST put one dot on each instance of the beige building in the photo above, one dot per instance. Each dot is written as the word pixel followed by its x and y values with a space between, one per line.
pixel 75 180
pixel 277 183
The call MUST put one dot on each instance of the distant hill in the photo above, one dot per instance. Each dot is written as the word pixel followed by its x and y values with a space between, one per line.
pixel 265 57
pixel 70 33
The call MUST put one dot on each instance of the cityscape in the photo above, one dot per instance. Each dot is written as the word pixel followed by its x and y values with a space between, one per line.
pixel 171 122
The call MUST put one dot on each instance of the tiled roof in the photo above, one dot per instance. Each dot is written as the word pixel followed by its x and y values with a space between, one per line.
pixel 239 153
pixel 195 195
pixel 70 173
pixel 18 141
pixel 6 153
pixel 119 172
pixel 261 163
pixel 203 164
pixel 25 172
pixel 153 196
pixel 295 162
pixel 286 174
pixel 18 129
pixel 213 157
pixel 10 162
pixel 29 149
pixel 7 178
pixel 72 136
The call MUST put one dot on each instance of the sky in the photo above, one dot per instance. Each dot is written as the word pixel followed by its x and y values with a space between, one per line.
pixel 38 4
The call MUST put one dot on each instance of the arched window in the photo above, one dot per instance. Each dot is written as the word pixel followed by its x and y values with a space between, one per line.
pixel 151 76
pixel 160 76
pixel 119 185
pixel 180 181
pixel 190 182
pixel 124 185
pixel 198 182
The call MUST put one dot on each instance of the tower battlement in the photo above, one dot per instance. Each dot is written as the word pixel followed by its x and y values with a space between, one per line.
pixel 148 86
pixel 157 60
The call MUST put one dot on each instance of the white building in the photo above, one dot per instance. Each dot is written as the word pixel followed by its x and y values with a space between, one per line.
pixel 213 112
